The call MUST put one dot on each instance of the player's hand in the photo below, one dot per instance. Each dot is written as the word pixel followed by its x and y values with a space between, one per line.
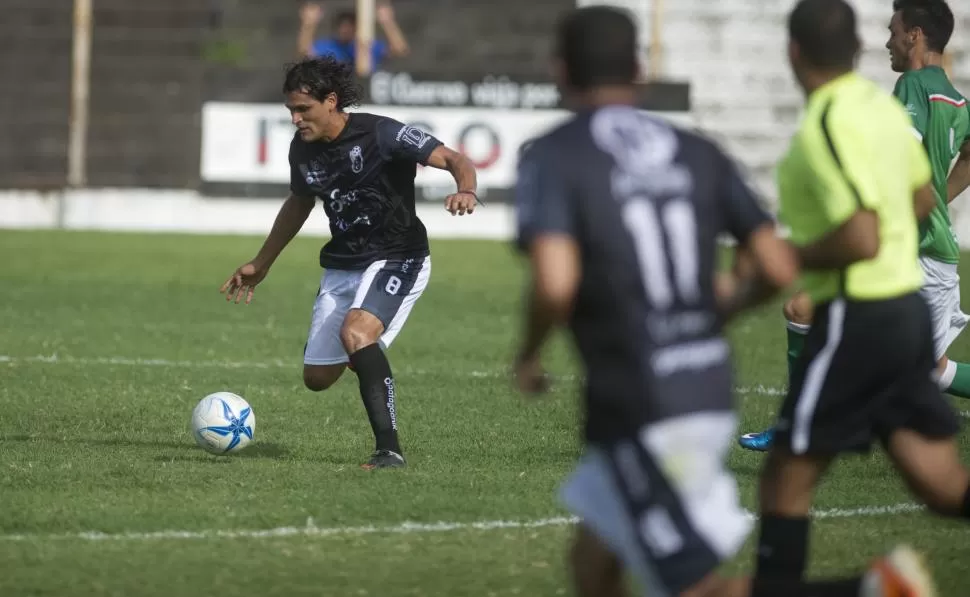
pixel 530 377
pixel 384 12
pixel 243 282
pixel 461 203
pixel 311 13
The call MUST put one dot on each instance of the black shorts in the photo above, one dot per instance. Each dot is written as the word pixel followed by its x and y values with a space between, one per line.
pixel 865 372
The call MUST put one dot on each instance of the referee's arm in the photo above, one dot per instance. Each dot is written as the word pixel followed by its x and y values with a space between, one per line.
pixel 856 239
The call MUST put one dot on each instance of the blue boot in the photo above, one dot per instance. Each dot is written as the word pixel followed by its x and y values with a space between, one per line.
pixel 758 442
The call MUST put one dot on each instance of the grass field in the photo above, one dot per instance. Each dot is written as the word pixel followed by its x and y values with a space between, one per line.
pixel 108 341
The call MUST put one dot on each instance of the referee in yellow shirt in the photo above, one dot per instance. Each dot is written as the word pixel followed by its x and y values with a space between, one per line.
pixel 852 187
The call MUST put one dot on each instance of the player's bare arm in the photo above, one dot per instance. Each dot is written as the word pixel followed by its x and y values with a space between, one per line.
pixel 555 265
pixel 960 174
pixel 289 221
pixel 857 239
pixel 924 201
pixel 763 266
pixel 461 168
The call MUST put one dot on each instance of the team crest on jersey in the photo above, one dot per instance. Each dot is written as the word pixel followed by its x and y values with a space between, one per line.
pixel 356 159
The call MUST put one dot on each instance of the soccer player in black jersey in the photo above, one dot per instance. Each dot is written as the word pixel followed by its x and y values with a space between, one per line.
pixel 620 214
pixel 361 167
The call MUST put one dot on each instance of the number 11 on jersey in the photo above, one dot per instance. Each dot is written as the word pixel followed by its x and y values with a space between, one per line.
pixel 675 223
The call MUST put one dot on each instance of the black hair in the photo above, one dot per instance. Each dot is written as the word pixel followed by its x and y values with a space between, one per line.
pixel 825 31
pixel 598 45
pixel 933 17
pixel 319 77
pixel 345 16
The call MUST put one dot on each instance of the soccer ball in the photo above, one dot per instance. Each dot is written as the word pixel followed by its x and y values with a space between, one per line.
pixel 223 423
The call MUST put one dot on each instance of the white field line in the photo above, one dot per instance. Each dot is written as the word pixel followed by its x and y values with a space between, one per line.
pixel 54 359
pixel 274 364
pixel 404 528
pixel 310 529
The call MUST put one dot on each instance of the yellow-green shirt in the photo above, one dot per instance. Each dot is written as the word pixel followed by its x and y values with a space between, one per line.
pixel 854 150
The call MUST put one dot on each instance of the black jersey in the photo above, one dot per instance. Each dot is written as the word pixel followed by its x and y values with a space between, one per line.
pixel 365 180
pixel 645 203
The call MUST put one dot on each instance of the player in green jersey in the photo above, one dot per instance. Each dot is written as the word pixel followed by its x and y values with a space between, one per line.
pixel 920 31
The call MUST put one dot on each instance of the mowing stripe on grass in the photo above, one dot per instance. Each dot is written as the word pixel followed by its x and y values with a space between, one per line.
pixel 280 364
pixel 405 528
pixel 275 364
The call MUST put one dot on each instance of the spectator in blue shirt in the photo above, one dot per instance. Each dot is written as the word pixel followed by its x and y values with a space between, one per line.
pixel 343 45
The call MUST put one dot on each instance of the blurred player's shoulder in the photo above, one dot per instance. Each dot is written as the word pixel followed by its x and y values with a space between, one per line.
pixel 697 141
pixel 576 134
pixel 861 107
pixel 562 132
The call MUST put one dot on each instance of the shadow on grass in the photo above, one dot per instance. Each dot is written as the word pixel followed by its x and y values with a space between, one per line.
pixel 267 450
pixel 187 450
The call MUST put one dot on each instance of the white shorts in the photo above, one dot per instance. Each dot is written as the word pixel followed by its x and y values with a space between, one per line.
pixel 387 289
pixel 664 503
pixel 941 291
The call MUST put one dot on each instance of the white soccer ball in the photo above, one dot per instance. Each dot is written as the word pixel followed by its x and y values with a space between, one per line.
pixel 223 423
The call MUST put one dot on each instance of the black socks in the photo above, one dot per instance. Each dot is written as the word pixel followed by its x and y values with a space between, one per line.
pixel 782 547
pixel 849 587
pixel 377 392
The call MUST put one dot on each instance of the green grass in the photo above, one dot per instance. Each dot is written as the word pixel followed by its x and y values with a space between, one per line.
pixel 90 444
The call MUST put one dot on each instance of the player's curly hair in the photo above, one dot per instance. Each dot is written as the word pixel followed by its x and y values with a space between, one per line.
pixel 933 17
pixel 319 77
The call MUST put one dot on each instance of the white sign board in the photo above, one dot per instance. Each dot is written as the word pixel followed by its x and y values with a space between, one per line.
pixel 249 143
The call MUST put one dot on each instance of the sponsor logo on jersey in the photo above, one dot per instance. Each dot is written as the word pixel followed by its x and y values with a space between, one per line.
pixel 315 173
pixel 412 136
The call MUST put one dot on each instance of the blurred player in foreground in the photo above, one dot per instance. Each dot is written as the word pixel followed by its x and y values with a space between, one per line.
pixel 619 214
pixel 852 187
pixel 361 167
pixel 919 33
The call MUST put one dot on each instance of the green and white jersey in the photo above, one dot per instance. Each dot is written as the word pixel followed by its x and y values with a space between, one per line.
pixel 941 121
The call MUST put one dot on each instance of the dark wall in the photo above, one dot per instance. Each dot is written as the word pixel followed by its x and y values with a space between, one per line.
pixel 35 70
pixel 154 63
pixel 448 38
pixel 146 90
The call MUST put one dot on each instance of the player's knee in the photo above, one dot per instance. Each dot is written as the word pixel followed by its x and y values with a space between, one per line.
pixel 799 309
pixel 355 335
pixel 318 380
pixel 316 383
pixel 947 497
pixel 933 471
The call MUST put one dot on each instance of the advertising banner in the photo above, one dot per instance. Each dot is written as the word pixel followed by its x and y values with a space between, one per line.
pixel 248 143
